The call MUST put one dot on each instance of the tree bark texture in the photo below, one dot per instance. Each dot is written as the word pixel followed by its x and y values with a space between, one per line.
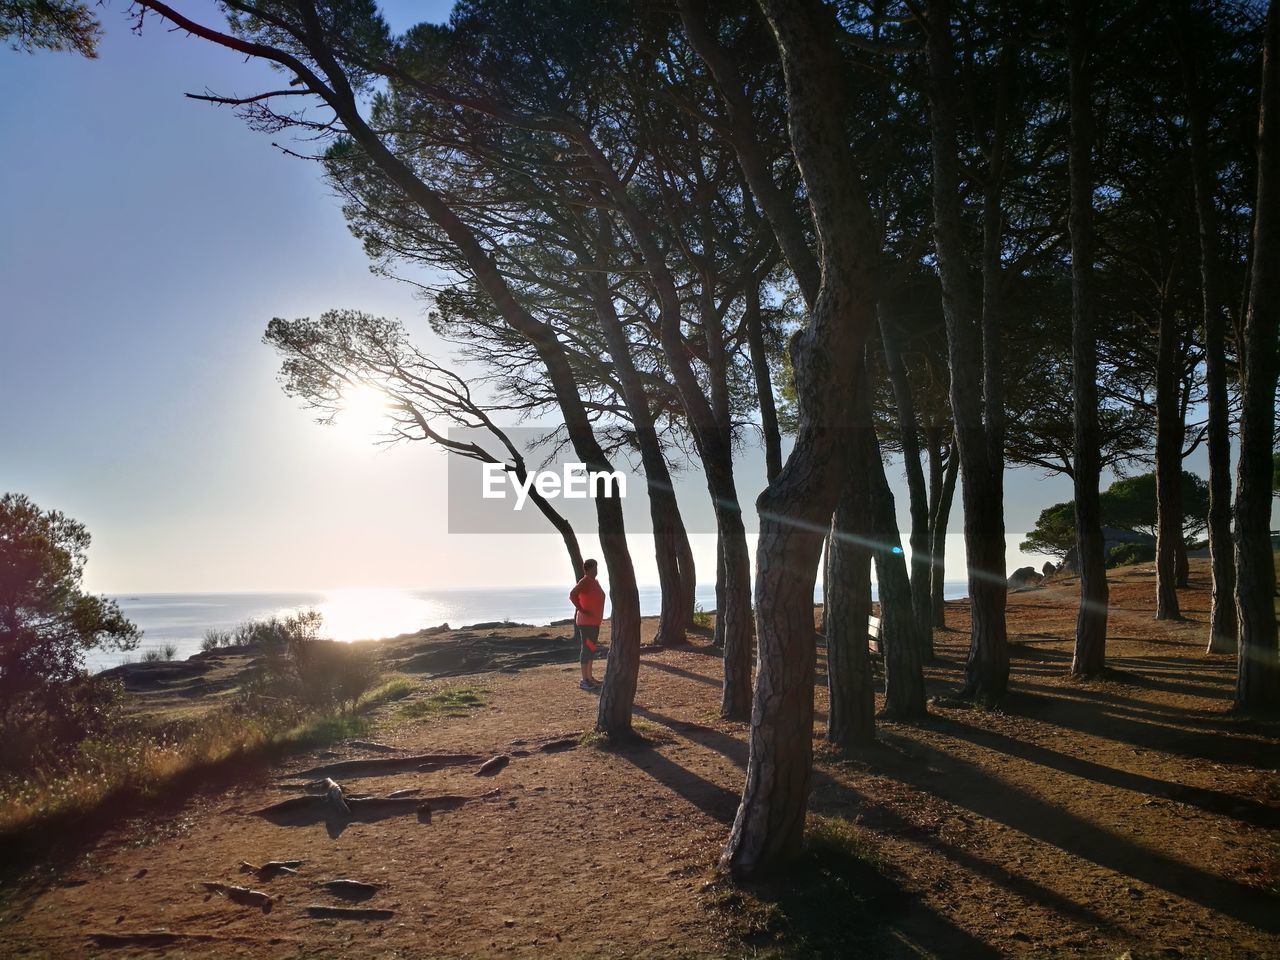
pixel 973 362
pixel 1090 654
pixel 796 509
pixel 1169 436
pixel 1258 669
pixel 846 609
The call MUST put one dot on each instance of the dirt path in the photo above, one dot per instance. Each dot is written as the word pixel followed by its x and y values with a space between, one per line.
pixel 1081 819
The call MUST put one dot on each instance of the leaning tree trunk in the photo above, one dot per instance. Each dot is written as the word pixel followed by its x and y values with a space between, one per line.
pixel 917 492
pixel 329 83
pixel 797 507
pixel 764 383
pixel 664 510
pixel 1258 670
pixel 851 720
pixel 1169 435
pixel 557 520
pixel 1090 655
pixel 973 359
pixel 939 518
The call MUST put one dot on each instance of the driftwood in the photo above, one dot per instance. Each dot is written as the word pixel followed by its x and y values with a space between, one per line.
pixel 373 766
pixel 493 766
pixel 349 913
pixel 352 889
pixel 271 868
pixel 241 895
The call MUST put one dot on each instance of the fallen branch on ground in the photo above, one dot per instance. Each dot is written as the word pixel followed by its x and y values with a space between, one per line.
pixel 371 766
pixel 241 895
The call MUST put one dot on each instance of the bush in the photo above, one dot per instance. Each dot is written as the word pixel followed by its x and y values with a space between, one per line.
pixel 1123 554
pixel 43 727
pixel 701 616
pixel 215 639
pixel 299 666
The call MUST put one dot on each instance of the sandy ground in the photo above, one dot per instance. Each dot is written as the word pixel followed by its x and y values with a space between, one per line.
pixel 1081 819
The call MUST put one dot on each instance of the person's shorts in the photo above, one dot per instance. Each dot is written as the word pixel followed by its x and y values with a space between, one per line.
pixel 589 638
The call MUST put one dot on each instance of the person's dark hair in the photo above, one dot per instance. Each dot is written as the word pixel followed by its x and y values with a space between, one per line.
pixel 589 565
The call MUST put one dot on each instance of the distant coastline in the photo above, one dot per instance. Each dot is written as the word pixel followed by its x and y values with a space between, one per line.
pixel 181 619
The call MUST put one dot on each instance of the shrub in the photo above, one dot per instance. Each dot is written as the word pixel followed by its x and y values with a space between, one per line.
pixel 297 665
pixel 1123 554
pixel 42 728
pixel 215 639
pixel 701 616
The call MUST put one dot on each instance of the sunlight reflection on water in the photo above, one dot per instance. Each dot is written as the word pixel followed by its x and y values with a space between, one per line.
pixel 358 614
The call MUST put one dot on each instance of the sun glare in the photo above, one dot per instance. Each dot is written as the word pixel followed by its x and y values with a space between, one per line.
pixel 364 614
pixel 362 414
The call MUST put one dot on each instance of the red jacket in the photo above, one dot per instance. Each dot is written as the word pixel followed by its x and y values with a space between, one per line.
pixel 587 597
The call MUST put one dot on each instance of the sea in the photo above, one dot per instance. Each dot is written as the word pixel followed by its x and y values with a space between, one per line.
pixel 180 620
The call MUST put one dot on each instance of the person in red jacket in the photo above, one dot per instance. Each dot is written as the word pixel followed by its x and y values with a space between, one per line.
pixel 587 597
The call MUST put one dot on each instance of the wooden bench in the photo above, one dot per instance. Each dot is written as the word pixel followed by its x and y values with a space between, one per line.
pixel 873 634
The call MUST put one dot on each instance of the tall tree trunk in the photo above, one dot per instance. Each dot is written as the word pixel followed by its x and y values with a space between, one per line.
pixel 939 518
pixel 764 383
pixel 709 419
pixel 973 360
pixel 899 631
pixel 735 611
pixel 1090 655
pixel 799 504
pixel 917 492
pixel 1258 671
pixel 717 636
pixel 1169 435
pixel 688 576
pixel 851 718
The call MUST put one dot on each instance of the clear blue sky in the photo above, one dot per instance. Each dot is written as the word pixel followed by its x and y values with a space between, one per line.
pixel 147 240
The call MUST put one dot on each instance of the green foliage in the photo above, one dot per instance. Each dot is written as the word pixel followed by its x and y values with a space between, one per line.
pixel 1128 504
pixel 47 624
pixel 701 616
pixel 1055 531
pixel 297 665
pixel 1124 554
pixel 1131 503
pixel 30 25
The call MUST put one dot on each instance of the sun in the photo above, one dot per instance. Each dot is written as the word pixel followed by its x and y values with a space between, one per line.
pixel 362 412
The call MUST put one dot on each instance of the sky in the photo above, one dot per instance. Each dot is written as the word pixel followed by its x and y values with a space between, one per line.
pixel 147 240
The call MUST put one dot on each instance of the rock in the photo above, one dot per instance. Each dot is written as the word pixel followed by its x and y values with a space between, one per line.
pixel 1024 578
pixel 1048 570
pixel 493 766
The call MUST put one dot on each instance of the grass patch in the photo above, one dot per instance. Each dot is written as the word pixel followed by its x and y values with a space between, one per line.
pixel 449 702
pixel 643 734
pixel 142 757
pixel 832 901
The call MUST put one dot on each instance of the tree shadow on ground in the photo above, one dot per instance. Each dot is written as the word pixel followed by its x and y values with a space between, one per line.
pixel 997 800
